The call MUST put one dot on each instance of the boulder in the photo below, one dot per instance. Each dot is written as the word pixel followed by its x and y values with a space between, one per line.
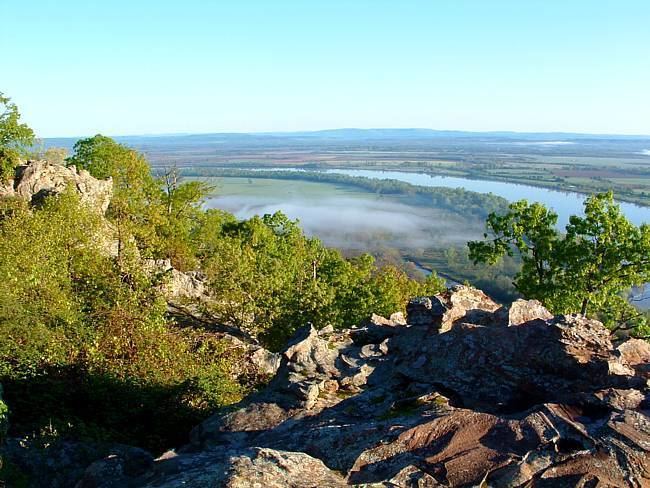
pixel 458 304
pixel 63 463
pixel 522 311
pixel 635 353
pixel 271 468
pixel 377 329
pixel 117 469
pixel 177 285
pixel 513 368
pixel 36 180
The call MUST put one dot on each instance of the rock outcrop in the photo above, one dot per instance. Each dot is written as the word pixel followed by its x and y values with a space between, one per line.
pixel 462 393
pixel 36 180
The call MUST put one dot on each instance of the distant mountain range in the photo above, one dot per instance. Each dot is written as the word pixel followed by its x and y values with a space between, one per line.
pixel 356 135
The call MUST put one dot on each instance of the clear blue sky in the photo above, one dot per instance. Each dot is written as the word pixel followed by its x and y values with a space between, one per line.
pixel 78 67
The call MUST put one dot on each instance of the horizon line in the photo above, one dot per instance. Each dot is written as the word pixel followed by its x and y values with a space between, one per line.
pixel 361 129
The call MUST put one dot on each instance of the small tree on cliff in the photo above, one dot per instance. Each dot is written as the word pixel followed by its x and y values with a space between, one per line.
pixel 15 137
pixel 600 255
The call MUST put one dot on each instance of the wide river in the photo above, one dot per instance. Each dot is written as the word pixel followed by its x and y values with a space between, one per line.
pixel 564 203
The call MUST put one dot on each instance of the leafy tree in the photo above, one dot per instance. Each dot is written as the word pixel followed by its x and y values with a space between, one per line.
pixel 271 279
pixel 136 194
pixel 597 258
pixel 181 214
pixel 15 137
pixel 55 155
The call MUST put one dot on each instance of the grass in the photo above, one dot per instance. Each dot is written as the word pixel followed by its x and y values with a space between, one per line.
pixel 295 189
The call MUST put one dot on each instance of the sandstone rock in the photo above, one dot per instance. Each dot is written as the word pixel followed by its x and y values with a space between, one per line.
pixel 265 362
pixel 268 468
pixel 546 402
pixel 377 329
pixel 62 463
pixel 617 399
pixel 456 305
pixel 308 354
pixel 233 428
pixel 514 367
pixel 38 179
pixel 413 477
pixel 425 311
pixel 522 311
pixel 116 469
pixel 177 285
pixel 635 353
pixel 398 318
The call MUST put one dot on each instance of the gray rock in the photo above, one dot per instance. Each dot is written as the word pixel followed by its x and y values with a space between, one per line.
pixel 38 179
pixel 457 305
pixel 62 464
pixel 457 399
pixel 269 468
pixel 522 311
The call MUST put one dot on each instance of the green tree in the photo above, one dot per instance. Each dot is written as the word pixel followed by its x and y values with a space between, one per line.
pixel 15 137
pixel 271 279
pixel 181 215
pixel 588 267
pixel 134 208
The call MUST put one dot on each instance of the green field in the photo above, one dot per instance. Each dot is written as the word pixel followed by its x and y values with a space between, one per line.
pixel 294 189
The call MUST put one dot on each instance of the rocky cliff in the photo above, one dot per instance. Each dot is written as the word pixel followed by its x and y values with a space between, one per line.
pixel 461 393
pixel 36 180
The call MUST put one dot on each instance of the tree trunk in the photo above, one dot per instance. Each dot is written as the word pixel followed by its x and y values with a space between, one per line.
pixel 585 303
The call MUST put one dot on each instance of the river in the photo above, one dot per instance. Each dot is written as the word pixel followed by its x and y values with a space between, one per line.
pixel 564 203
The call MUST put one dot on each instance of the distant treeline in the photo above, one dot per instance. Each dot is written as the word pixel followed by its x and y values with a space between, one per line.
pixel 459 200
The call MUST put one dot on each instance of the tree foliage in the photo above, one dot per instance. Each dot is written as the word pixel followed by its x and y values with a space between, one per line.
pixel 584 269
pixel 87 343
pixel 15 137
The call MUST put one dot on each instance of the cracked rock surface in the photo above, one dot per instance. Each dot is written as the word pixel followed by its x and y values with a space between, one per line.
pixel 462 393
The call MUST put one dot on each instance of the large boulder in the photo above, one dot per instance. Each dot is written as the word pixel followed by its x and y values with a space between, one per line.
pixel 458 304
pixel 522 311
pixel 271 468
pixel 512 368
pixel 36 180
pixel 636 354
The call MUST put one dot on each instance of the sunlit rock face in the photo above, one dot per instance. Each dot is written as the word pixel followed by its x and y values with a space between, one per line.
pixel 36 180
pixel 461 393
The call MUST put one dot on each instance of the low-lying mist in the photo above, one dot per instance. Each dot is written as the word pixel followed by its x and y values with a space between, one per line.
pixel 354 223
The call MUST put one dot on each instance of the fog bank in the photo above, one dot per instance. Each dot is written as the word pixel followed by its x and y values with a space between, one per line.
pixel 354 223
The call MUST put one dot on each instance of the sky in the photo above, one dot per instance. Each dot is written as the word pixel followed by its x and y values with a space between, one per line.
pixel 80 67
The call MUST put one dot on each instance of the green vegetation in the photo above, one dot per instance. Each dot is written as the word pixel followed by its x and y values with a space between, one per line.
pixel 586 269
pixel 88 347
pixel 445 250
pixel 15 138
